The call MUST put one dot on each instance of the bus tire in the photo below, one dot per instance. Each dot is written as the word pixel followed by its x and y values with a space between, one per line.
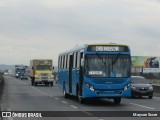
pixel 64 92
pixel 51 83
pixel 117 100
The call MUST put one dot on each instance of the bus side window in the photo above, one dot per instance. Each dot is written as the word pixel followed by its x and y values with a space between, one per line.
pixel 68 59
pixel 62 61
pixel 65 61
pixel 59 62
pixel 75 60
pixel 78 59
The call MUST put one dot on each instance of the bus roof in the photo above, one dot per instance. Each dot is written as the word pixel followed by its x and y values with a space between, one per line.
pixel 85 46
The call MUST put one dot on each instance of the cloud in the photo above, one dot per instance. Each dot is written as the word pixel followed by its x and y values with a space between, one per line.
pixel 30 29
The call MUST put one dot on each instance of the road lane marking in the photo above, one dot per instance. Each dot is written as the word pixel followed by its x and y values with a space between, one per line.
pixel 45 94
pixel 142 106
pixel 90 114
pixel 64 102
pixel 50 95
pixel 74 107
pixel 57 98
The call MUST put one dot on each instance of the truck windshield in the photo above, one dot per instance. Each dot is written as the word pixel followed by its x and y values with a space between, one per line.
pixel 20 70
pixel 107 65
pixel 43 67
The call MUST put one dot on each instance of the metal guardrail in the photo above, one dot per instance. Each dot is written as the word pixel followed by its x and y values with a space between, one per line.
pixel 156 89
pixel 1 78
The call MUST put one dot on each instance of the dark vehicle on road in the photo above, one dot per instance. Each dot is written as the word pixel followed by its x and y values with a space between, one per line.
pixel 141 87
pixel 24 77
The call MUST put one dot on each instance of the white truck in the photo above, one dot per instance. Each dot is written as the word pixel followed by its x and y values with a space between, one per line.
pixel 41 72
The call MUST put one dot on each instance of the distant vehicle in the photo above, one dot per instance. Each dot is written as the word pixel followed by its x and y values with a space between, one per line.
pixel 5 73
pixel 24 76
pixel 95 71
pixel 20 71
pixel 41 72
pixel 141 87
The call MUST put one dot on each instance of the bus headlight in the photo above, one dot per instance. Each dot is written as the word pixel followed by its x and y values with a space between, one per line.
pixel 89 86
pixel 127 86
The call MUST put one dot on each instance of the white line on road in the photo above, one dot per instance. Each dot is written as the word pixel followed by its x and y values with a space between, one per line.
pixel 50 95
pixel 142 106
pixel 90 114
pixel 64 102
pixel 45 94
pixel 73 106
pixel 37 90
pixel 57 98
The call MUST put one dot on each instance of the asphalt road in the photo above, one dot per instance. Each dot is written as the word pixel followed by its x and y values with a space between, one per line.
pixel 19 95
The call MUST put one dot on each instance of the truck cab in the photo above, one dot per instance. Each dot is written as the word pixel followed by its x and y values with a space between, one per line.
pixel 41 72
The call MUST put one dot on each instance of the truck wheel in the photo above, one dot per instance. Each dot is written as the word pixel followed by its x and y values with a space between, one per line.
pixel 32 83
pixel 46 84
pixel 35 83
pixel 51 83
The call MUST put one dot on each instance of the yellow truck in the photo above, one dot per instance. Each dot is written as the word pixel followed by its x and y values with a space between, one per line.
pixel 41 72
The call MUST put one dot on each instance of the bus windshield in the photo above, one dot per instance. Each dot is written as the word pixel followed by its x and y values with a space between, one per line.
pixel 107 65
pixel 43 67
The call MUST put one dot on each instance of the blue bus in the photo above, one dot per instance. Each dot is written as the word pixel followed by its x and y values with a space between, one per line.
pixel 95 71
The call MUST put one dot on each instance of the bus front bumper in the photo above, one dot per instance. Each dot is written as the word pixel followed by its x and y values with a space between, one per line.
pixel 105 93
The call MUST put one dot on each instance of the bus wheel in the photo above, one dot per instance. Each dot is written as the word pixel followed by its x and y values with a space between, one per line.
pixel 64 92
pixel 51 83
pixel 117 100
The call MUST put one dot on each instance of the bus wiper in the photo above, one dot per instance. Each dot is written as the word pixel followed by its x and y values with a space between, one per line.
pixel 116 58
pixel 101 59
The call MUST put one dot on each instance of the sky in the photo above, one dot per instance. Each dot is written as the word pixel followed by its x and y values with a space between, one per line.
pixel 42 29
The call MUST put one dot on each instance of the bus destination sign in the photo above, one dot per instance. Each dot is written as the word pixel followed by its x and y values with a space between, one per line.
pixel 108 48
